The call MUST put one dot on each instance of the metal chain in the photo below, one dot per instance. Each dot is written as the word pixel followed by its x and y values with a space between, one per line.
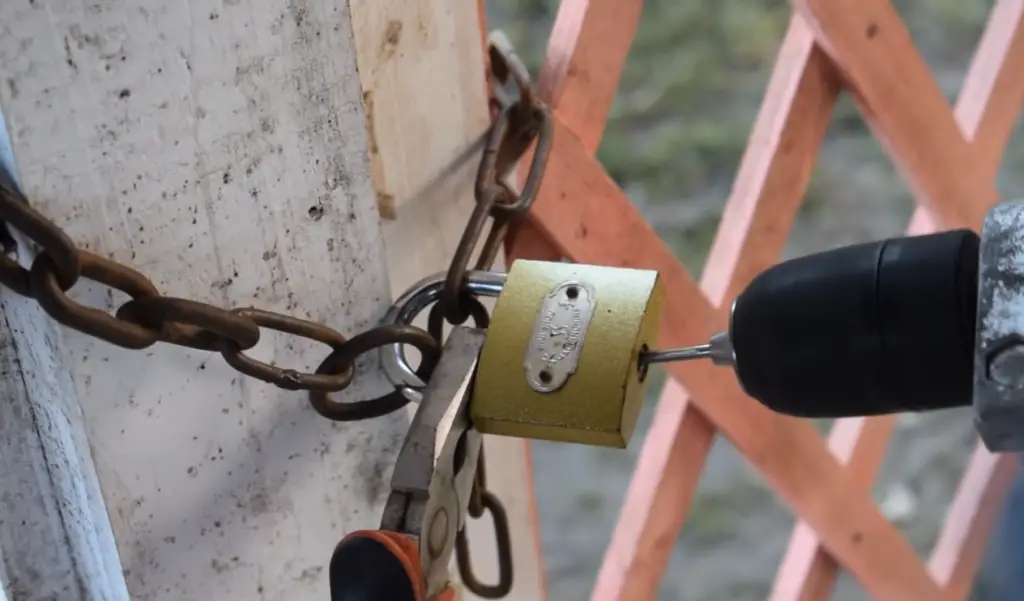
pixel 517 125
pixel 150 317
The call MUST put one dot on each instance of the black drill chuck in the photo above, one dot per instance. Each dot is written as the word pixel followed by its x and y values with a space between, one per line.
pixel 868 329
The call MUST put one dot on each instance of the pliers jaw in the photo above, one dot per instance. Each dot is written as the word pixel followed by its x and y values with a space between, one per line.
pixel 430 491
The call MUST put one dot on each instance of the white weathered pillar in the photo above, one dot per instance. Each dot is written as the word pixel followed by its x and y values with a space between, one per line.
pixel 55 538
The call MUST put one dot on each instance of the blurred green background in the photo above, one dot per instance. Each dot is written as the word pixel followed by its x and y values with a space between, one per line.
pixel 684 110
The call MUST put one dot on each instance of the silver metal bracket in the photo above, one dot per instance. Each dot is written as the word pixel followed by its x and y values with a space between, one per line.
pixel 999 338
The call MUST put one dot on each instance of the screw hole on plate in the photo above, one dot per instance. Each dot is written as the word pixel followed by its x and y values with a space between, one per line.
pixel 572 292
pixel 545 376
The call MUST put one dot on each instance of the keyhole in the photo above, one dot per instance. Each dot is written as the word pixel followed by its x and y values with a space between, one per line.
pixel 642 375
pixel 572 292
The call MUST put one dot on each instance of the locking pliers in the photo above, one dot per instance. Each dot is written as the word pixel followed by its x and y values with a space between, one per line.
pixel 408 557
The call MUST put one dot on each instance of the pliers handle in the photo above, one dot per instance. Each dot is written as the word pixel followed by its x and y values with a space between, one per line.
pixel 376 565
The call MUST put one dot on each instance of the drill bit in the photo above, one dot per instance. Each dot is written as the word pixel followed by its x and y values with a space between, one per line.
pixel 719 350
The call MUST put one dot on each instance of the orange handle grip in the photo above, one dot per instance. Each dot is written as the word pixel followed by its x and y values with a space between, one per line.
pixel 374 565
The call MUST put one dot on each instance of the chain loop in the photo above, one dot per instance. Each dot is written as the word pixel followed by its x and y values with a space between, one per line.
pixel 343 358
pixel 451 307
pixel 503 540
pixel 477 312
pixel 191 324
pixel 496 199
pixel 64 255
pixel 540 124
pixel 50 294
pixel 288 379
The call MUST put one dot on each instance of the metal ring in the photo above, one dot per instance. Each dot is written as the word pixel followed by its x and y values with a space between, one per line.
pixel 191 324
pixel 417 298
pixel 341 358
pixel 46 288
pixel 288 379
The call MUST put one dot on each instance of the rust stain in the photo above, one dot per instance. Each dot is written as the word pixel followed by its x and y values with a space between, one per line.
pixel 386 205
pixel 389 42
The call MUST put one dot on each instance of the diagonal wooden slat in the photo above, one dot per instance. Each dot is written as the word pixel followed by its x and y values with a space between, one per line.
pixel 585 57
pixel 970 520
pixel 771 181
pixel 808 572
pixel 659 497
pixel 921 222
pixel 994 90
pixel 986 112
pixel 903 105
pixel 592 221
pixel 762 174
pixel 991 101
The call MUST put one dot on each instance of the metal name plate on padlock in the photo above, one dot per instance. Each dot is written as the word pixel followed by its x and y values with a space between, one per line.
pixel 560 361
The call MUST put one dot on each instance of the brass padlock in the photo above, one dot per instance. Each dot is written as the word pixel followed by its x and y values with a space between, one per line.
pixel 560 361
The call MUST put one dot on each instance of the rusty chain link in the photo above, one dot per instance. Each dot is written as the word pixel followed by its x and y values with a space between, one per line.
pixel 520 121
pixel 148 317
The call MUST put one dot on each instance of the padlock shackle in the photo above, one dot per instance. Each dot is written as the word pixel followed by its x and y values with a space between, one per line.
pixel 410 304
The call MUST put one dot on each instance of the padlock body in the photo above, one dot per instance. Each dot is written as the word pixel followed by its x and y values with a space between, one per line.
pixel 560 361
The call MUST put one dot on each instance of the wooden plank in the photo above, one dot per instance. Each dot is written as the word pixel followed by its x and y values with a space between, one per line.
pixel 591 221
pixel 224 149
pixel 427 111
pixel 770 184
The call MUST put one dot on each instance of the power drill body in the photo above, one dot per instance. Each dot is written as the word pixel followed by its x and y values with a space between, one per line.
pixel 907 324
